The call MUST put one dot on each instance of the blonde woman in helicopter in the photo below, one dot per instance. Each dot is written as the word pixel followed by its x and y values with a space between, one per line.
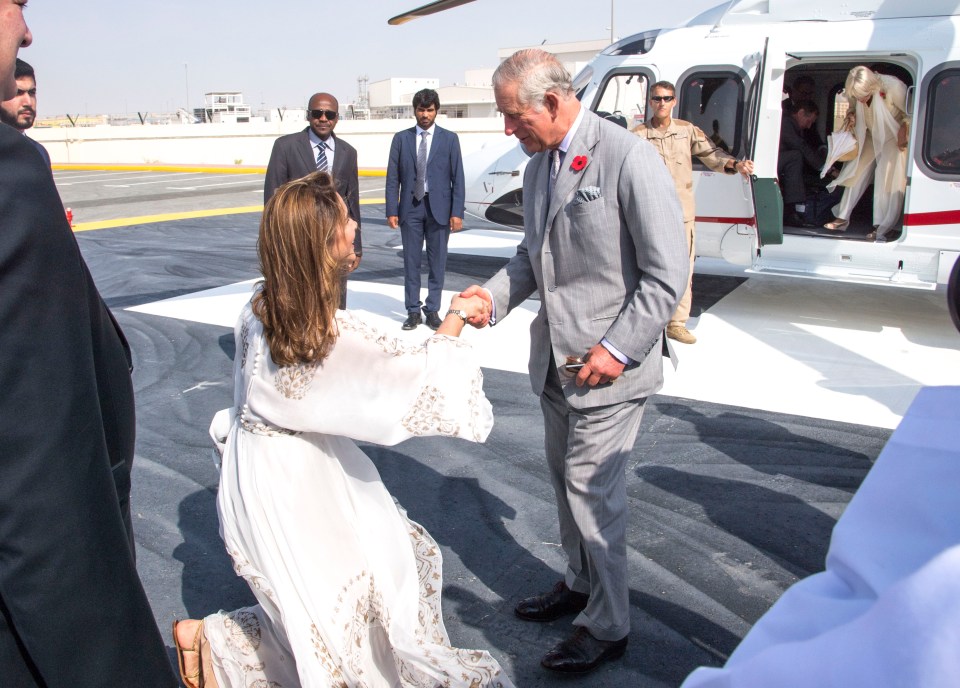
pixel 878 119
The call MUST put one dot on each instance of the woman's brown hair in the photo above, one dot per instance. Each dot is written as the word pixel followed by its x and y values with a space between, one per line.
pixel 300 292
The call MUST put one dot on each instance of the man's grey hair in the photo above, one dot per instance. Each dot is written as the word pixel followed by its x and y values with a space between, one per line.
pixel 536 73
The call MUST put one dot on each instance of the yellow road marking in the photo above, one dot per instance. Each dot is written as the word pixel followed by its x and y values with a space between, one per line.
pixel 209 169
pixel 186 215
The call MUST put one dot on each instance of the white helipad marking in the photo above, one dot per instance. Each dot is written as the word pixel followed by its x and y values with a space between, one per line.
pixel 844 352
pixel 840 352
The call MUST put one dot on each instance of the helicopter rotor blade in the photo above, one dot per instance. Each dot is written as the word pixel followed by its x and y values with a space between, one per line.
pixel 430 8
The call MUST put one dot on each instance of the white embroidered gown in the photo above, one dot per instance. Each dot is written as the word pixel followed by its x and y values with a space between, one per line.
pixel 348 586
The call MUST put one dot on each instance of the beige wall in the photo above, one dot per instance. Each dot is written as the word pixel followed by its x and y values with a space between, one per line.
pixel 235 144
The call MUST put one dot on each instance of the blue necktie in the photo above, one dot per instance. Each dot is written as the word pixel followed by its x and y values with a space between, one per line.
pixel 420 185
pixel 322 157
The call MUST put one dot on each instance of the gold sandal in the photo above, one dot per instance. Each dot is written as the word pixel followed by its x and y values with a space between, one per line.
pixel 837 225
pixel 194 680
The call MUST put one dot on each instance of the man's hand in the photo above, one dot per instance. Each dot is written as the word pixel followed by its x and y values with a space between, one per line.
pixel 482 319
pixel 476 308
pixel 456 224
pixel 393 221
pixel 599 367
pixel 744 167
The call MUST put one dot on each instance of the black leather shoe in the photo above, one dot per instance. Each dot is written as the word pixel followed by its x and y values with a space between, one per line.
pixel 552 605
pixel 792 219
pixel 582 653
pixel 413 319
pixel 433 319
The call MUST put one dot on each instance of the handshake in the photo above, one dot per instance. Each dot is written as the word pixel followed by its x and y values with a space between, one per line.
pixel 475 301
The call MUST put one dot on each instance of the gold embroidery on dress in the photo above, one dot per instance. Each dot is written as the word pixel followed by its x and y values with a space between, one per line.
pixel 260 428
pixel 244 344
pixel 428 414
pixel 293 381
pixel 243 631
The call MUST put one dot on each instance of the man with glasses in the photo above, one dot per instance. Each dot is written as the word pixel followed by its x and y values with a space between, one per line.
pixel 677 142
pixel 318 148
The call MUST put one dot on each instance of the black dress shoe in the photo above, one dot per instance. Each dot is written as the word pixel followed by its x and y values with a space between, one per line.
pixel 413 319
pixel 794 220
pixel 433 319
pixel 552 605
pixel 582 653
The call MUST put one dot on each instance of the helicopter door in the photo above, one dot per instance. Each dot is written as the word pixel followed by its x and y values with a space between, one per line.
pixel 763 142
pixel 714 98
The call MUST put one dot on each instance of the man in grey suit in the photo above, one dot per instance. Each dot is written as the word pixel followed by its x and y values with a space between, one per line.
pixel 318 148
pixel 425 192
pixel 605 250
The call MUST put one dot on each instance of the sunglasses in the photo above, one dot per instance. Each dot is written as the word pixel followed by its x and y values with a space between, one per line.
pixel 320 114
pixel 662 99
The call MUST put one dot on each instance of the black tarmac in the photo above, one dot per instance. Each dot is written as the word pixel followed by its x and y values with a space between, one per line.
pixel 728 506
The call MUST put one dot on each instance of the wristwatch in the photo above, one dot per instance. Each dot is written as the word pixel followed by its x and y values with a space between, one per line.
pixel 462 314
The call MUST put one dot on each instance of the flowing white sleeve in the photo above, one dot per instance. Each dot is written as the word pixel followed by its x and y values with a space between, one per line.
pixel 375 388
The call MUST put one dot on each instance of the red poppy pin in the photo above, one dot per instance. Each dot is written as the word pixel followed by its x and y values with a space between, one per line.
pixel 883 94
pixel 578 163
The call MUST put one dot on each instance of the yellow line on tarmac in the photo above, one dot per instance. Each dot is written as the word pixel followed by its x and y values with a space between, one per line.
pixel 187 215
pixel 203 169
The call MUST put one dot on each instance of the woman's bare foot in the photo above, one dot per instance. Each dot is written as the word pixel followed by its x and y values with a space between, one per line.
pixel 193 654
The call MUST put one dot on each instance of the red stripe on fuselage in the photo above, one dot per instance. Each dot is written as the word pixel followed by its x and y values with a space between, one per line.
pixel 728 220
pixel 941 217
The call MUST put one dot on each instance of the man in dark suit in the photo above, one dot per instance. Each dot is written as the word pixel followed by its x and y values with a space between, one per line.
pixel 20 112
pixel 72 609
pixel 605 250
pixel 318 148
pixel 799 162
pixel 425 192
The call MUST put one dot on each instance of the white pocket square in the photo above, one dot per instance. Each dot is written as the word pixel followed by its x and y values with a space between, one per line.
pixel 585 194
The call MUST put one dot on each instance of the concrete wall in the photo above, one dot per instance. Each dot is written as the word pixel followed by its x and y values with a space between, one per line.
pixel 236 144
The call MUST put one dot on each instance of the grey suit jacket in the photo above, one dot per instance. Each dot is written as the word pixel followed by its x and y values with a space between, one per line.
pixel 614 266
pixel 292 158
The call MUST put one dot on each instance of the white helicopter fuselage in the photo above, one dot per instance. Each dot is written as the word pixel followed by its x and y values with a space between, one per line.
pixel 731 67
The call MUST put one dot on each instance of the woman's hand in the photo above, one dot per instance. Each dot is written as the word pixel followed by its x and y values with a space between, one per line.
pixel 850 121
pixel 483 318
pixel 902 135
pixel 476 307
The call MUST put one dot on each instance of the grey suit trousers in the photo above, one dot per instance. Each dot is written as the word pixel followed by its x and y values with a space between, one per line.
pixel 587 451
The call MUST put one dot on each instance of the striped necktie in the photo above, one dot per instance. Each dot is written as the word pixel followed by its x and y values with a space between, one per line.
pixel 322 157
pixel 420 184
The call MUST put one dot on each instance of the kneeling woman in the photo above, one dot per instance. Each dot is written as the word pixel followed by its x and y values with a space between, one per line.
pixel 348 587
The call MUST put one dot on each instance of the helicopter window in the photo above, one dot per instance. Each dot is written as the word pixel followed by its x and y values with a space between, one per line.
pixel 941 145
pixel 714 102
pixel 624 99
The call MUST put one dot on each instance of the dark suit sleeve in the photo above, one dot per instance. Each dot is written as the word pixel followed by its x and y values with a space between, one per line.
pixel 277 169
pixel 793 138
pixel 392 188
pixel 458 187
pixel 68 584
pixel 351 195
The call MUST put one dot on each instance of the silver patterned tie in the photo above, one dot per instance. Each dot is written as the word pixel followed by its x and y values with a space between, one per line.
pixel 322 157
pixel 554 170
pixel 420 185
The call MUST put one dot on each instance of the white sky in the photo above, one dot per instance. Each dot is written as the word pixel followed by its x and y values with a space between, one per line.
pixel 125 56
